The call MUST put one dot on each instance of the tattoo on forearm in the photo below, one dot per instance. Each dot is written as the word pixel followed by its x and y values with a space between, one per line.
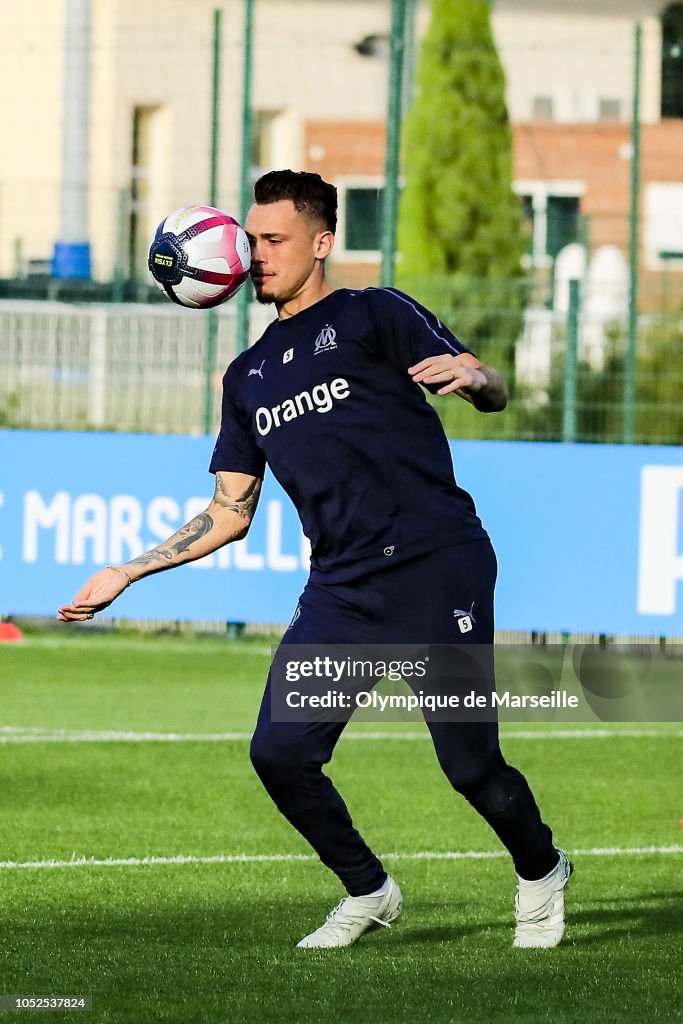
pixel 244 504
pixel 171 553
pixel 179 543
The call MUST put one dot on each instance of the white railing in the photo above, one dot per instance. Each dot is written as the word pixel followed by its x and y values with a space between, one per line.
pixel 112 367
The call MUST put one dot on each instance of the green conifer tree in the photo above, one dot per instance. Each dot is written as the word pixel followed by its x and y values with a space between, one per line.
pixel 460 236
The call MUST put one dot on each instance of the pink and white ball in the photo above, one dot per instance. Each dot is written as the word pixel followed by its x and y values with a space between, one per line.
pixel 200 256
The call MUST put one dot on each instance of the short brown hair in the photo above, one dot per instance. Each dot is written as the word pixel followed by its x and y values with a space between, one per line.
pixel 307 190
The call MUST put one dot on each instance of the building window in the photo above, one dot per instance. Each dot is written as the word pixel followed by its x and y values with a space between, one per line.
pixel 149 160
pixel 542 108
pixel 261 156
pixel 672 61
pixel 551 213
pixel 609 110
pixel 663 234
pixel 562 213
pixel 363 225
pixel 359 233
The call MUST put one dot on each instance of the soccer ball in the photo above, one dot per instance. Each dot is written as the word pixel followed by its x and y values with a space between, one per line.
pixel 200 256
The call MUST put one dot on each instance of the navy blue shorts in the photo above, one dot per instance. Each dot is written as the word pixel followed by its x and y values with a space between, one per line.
pixel 442 597
pixel 424 600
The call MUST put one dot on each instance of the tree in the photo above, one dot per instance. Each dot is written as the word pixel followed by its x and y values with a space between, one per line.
pixel 459 233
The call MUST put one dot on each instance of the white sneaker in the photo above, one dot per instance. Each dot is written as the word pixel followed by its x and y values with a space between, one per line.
pixel 539 908
pixel 354 916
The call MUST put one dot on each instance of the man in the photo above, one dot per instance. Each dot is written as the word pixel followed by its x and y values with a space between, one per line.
pixel 328 398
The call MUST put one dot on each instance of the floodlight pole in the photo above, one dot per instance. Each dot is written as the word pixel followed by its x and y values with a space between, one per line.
pixel 393 144
pixel 71 253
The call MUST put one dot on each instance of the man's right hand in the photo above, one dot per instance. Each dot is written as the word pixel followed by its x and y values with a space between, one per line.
pixel 94 596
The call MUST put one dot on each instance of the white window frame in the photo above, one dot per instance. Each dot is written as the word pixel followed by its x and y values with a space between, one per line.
pixel 341 253
pixel 653 208
pixel 540 191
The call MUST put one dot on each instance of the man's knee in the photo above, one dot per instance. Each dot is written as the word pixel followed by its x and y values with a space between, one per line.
pixel 268 753
pixel 277 754
pixel 495 789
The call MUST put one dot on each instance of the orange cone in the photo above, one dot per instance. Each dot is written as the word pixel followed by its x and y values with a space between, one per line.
pixel 9 633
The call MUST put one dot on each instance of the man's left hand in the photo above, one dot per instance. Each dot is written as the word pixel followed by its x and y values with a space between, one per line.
pixel 456 373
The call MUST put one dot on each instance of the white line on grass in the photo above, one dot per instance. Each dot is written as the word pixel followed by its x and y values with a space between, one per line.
pixel 18 734
pixel 243 858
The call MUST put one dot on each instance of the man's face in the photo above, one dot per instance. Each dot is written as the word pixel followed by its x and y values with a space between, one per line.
pixel 286 247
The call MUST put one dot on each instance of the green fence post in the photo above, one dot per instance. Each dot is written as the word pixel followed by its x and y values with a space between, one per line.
pixel 633 248
pixel 245 169
pixel 409 50
pixel 119 275
pixel 393 146
pixel 570 364
pixel 212 316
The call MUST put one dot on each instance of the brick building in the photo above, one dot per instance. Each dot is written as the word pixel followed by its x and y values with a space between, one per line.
pixel 320 81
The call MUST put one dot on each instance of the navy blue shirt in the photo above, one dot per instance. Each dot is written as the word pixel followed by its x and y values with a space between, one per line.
pixel 324 398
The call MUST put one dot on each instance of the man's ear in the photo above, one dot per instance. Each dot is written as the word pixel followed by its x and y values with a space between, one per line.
pixel 324 242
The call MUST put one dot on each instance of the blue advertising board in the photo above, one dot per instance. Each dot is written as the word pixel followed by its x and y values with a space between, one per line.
pixel 588 537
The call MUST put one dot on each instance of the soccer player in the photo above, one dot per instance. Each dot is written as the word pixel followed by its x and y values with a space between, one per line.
pixel 329 398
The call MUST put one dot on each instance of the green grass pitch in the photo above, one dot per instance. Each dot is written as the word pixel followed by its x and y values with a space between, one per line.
pixel 205 942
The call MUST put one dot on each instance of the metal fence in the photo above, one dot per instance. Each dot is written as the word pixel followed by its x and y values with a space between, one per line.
pixel 115 367
pixel 570 381
pixel 146 368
